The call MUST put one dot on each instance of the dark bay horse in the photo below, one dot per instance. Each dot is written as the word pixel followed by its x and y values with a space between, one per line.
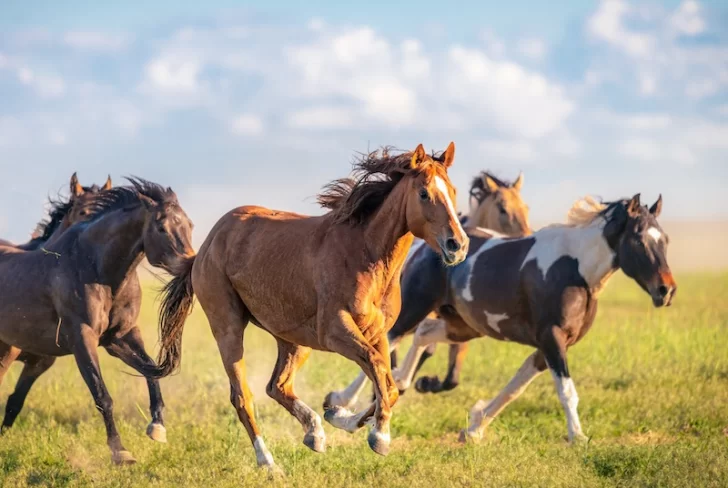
pixel 539 291
pixel 329 282
pixel 60 300
pixel 62 215
pixel 494 204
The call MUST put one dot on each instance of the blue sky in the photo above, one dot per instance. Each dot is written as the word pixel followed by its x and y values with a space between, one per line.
pixel 235 103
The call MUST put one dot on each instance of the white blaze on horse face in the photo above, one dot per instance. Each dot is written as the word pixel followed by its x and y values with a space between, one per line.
pixel 654 233
pixel 494 319
pixel 442 188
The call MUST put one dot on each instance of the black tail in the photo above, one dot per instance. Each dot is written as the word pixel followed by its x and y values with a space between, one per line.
pixel 177 300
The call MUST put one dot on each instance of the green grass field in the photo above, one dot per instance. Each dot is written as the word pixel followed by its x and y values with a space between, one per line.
pixel 654 400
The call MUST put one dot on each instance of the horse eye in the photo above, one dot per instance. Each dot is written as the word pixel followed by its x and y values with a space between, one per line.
pixel 424 195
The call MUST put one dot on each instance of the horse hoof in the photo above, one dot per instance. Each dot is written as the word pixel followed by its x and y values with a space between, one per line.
pixel 273 471
pixel 579 440
pixel 122 458
pixel 379 442
pixel 332 400
pixel 466 437
pixel 315 443
pixel 425 384
pixel 157 432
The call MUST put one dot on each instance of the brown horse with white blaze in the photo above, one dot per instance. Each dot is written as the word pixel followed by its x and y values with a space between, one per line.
pixel 328 282
pixel 494 204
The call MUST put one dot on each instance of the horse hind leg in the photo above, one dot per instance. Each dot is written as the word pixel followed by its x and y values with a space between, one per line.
pixel 8 354
pixel 33 368
pixel 290 358
pixel 228 318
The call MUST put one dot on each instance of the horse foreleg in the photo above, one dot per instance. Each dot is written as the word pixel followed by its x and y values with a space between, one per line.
pixel 430 331
pixel 130 349
pixel 482 414
pixel 280 387
pixel 83 342
pixel 432 384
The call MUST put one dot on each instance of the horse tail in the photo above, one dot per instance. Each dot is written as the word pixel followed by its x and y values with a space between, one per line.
pixel 177 301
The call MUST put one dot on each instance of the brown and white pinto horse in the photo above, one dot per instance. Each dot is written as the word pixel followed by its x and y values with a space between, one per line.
pixel 539 291
pixel 494 204
pixel 329 282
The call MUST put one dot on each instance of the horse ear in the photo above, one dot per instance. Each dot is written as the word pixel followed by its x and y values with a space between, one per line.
pixel 519 182
pixel 107 185
pixel 76 188
pixel 633 207
pixel 490 184
pixel 449 157
pixel 418 156
pixel 656 208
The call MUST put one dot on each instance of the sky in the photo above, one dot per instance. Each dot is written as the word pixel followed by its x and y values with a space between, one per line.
pixel 234 102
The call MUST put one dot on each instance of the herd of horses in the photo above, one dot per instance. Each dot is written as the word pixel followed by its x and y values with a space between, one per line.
pixel 391 240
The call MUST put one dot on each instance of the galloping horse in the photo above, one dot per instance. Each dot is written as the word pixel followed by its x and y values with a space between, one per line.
pixel 494 204
pixel 61 299
pixel 61 216
pixel 329 282
pixel 539 291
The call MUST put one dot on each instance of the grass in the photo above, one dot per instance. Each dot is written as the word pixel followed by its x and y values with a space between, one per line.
pixel 654 400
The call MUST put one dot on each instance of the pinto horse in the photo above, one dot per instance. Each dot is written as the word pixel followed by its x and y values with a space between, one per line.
pixel 329 282
pixel 62 299
pixel 539 291
pixel 494 204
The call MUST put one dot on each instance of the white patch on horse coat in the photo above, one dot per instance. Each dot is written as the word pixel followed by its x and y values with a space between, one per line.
pixel 442 187
pixel 262 455
pixel 654 233
pixel 467 293
pixel 492 232
pixel 494 319
pixel 585 244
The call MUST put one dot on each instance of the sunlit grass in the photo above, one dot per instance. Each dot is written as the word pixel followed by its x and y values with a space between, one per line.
pixel 654 400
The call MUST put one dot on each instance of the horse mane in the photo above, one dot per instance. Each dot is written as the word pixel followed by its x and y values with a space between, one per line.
pixel 46 227
pixel 478 184
pixel 125 197
pixel 354 200
pixel 586 210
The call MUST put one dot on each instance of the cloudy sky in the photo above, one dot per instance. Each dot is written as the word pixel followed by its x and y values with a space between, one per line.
pixel 235 103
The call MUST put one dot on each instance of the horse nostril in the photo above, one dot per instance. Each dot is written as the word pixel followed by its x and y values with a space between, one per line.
pixel 452 245
pixel 663 290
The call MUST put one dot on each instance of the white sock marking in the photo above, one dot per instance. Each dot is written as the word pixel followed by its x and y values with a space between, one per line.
pixel 262 455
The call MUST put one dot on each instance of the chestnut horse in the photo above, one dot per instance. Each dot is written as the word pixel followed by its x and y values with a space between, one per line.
pixel 64 297
pixel 494 204
pixel 329 282
pixel 539 291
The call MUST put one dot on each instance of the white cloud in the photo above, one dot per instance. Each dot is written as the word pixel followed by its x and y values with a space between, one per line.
pixel 247 125
pixel 510 150
pixel 319 118
pixel 533 48
pixel 513 99
pixel 47 86
pixel 57 137
pixel 640 148
pixel 95 41
pixel 607 24
pixel 174 75
pixel 687 19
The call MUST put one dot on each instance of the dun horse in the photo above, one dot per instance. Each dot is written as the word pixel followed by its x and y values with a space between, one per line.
pixel 329 283
pixel 494 204
pixel 539 291
pixel 61 299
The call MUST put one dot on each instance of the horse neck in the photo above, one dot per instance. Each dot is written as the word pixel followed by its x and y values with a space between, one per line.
pixel 387 237
pixel 118 241
pixel 596 259
pixel 479 216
